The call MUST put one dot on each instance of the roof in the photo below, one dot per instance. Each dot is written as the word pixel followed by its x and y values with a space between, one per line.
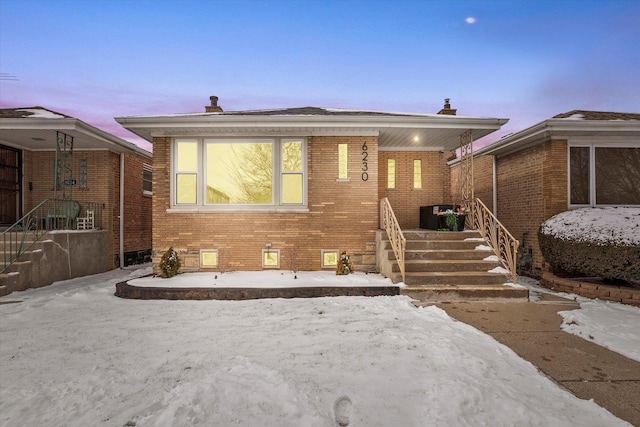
pixel 35 128
pixel 397 131
pixel 569 125
pixel 597 115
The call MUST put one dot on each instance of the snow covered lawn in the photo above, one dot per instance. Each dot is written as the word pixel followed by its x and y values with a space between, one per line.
pixel 73 354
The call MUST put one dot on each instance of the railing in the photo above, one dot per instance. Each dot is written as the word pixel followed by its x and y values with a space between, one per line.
pixel 23 234
pixel 389 223
pixel 503 243
pixel 48 215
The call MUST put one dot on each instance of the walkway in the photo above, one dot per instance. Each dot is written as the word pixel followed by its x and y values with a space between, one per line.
pixel 532 330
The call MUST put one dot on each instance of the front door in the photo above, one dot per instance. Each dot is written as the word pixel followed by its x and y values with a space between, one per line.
pixel 10 189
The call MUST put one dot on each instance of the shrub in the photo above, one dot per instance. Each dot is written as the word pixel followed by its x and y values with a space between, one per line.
pixel 593 242
pixel 344 264
pixel 169 264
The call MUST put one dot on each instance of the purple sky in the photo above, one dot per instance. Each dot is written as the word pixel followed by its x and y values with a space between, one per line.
pixel 522 60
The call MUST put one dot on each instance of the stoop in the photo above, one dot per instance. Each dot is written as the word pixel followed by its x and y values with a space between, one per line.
pixel 447 266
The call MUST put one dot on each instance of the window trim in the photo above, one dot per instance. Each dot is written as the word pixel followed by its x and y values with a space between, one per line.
pixel 201 206
pixel 592 145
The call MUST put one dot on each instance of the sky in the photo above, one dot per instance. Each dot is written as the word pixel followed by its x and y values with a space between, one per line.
pixel 525 60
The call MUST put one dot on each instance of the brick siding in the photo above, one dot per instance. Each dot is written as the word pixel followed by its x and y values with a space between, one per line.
pixel 342 215
pixel 103 187
pixel 404 199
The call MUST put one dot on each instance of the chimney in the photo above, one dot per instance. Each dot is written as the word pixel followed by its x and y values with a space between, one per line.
pixel 447 110
pixel 214 107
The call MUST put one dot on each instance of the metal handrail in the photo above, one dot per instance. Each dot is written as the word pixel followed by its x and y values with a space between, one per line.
pixel 504 245
pixel 48 215
pixel 389 223
pixel 20 236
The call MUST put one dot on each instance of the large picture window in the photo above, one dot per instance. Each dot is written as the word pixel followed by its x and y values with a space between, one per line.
pixel 240 172
pixel 604 175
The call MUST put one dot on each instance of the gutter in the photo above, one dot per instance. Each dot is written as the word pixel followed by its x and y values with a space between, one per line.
pixel 121 222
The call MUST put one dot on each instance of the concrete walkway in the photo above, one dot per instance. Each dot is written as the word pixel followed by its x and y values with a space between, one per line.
pixel 532 330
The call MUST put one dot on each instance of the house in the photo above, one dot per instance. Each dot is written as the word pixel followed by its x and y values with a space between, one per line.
pixel 293 188
pixel 572 160
pixel 55 167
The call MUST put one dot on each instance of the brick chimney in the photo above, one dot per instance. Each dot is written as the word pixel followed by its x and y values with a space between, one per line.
pixel 447 110
pixel 214 107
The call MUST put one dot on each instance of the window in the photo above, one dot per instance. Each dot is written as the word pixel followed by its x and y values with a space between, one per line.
pixel 604 175
pixel 208 258
pixel 83 173
pixel 343 161
pixel 417 174
pixel 271 258
pixel 391 173
pixel 186 172
pixel 579 175
pixel 329 258
pixel 147 175
pixel 252 173
pixel 292 179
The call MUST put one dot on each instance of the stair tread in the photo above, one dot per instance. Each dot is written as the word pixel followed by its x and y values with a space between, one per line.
pixel 452 273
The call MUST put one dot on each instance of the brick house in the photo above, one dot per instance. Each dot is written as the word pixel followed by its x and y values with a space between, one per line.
pixel 101 172
pixel 292 188
pixel 572 160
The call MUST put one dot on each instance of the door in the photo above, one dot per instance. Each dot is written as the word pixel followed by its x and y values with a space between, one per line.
pixel 10 189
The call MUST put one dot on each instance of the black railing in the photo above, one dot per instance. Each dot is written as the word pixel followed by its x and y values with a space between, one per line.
pixel 48 215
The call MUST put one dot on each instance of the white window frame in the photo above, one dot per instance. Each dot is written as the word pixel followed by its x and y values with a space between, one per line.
pixel 592 145
pixel 202 206
pixel 147 168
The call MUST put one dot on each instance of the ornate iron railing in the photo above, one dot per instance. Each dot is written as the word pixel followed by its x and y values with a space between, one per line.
pixel 389 223
pixel 503 243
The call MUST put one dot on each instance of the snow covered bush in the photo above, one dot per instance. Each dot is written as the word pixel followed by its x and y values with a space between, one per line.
pixel 344 264
pixel 169 264
pixel 599 242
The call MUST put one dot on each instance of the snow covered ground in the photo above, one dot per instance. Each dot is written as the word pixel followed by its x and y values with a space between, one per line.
pixel 73 354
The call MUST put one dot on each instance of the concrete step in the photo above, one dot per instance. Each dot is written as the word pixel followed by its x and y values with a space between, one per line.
pixel 446 265
pixel 453 278
pixel 439 235
pixel 439 293
pixel 9 282
pixel 440 244
pixel 451 254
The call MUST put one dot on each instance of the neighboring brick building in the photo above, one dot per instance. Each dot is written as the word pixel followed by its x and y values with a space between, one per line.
pixel 98 163
pixel 576 159
pixel 292 188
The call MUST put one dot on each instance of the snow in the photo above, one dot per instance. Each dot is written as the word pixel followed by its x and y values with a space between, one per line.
pixel 41 114
pixel 269 278
pixel 618 225
pixel 73 354
pixel 484 248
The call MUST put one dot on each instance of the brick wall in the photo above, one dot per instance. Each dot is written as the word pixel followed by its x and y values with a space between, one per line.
pixel 342 215
pixel 532 187
pixel 482 177
pixel 404 199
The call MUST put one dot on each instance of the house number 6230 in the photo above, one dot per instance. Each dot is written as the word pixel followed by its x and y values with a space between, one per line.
pixel 365 166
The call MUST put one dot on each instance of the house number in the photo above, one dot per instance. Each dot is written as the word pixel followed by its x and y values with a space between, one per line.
pixel 365 166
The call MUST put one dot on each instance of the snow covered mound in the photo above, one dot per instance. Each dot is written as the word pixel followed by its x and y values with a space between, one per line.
pixel 602 242
pixel 596 225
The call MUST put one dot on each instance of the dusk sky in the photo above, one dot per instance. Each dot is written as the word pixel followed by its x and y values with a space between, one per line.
pixel 522 60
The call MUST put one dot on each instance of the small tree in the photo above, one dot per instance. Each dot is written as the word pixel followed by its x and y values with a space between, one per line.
pixel 344 264
pixel 169 264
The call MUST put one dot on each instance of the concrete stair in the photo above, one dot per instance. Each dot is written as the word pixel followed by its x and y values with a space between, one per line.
pixel 447 266
pixel 18 275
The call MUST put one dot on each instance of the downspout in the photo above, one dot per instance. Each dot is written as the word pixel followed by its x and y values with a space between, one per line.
pixel 495 186
pixel 121 246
